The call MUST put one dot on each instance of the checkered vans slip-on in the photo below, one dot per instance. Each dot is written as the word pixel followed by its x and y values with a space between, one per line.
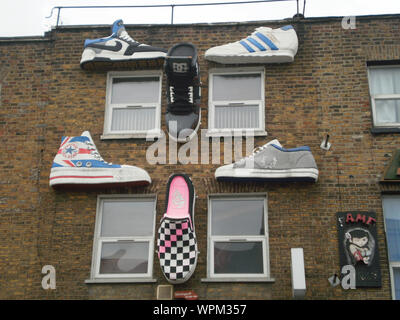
pixel 177 249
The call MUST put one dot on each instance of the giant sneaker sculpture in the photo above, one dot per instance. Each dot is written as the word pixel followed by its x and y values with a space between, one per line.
pixel 264 45
pixel 177 243
pixel 119 49
pixel 272 162
pixel 183 114
pixel 79 163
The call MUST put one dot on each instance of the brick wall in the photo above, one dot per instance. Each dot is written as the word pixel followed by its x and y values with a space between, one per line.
pixel 45 95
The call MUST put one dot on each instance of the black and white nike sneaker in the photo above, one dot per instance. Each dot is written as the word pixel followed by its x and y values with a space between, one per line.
pixel 119 49
pixel 183 114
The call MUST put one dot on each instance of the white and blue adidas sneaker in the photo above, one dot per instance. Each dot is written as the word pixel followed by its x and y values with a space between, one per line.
pixel 79 163
pixel 264 45
pixel 118 47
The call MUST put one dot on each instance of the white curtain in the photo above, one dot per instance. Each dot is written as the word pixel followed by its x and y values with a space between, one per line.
pixel 391 210
pixel 237 117
pixel 244 89
pixel 386 81
pixel 396 276
pixel 239 87
pixel 127 257
pixel 135 90
pixel 133 119
pixel 387 111
pixel 127 218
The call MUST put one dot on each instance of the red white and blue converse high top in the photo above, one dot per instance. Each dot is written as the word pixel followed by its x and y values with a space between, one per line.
pixel 79 163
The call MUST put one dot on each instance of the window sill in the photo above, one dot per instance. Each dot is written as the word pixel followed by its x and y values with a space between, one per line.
pixel 261 279
pixel 231 133
pixel 145 135
pixel 385 130
pixel 120 280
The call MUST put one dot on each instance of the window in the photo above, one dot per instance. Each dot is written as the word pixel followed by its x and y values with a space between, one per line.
pixel 238 237
pixel 391 212
pixel 133 105
pixel 236 101
pixel 124 237
pixel 384 87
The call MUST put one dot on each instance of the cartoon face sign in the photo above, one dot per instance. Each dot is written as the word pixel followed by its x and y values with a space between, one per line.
pixel 359 244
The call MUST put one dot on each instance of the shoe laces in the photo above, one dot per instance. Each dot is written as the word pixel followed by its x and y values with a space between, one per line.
pixel 255 151
pixel 95 153
pixel 181 95
pixel 125 36
pixel 266 31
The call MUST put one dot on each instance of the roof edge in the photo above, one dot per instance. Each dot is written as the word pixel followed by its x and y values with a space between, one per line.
pixel 233 23
pixel 48 35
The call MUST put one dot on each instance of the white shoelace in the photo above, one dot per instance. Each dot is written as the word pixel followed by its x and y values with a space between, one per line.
pixel 95 153
pixel 255 151
pixel 125 36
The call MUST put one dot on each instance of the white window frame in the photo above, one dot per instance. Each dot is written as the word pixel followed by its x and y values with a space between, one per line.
pixel 264 239
pixel 125 134
pixel 375 97
pixel 218 132
pixel 392 264
pixel 98 240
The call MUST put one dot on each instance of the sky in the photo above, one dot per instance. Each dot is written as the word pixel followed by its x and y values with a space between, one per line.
pixel 34 18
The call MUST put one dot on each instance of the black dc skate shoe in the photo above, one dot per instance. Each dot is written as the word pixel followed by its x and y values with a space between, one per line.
pixel 183 92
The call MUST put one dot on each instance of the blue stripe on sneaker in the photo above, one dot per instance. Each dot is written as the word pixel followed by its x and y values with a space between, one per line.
pixel 267 41
pixel 288 27
pixel 91 41
pixel 244 44
pixel 303 148
pixel 79 139
pixel 94 164
pixel 256 43
pixel 116 26
pixel 56 165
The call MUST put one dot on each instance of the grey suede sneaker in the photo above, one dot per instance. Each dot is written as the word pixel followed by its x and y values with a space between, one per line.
pixel 271 162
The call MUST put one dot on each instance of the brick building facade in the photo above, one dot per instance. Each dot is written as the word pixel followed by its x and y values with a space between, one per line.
pixel 45 95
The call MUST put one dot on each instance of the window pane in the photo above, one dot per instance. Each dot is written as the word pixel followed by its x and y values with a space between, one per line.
pixel 396 276
pixel 391 210
pixel 238 87
pixel 127 257
pixel 237 117
pixel 135 90
pixel 133 119
pixel 238 257
pixel 387 111
pixel 127 218
pixel 385 80
pixel 237 217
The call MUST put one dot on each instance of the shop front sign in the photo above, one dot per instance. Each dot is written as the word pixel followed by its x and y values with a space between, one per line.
pixel 358 246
